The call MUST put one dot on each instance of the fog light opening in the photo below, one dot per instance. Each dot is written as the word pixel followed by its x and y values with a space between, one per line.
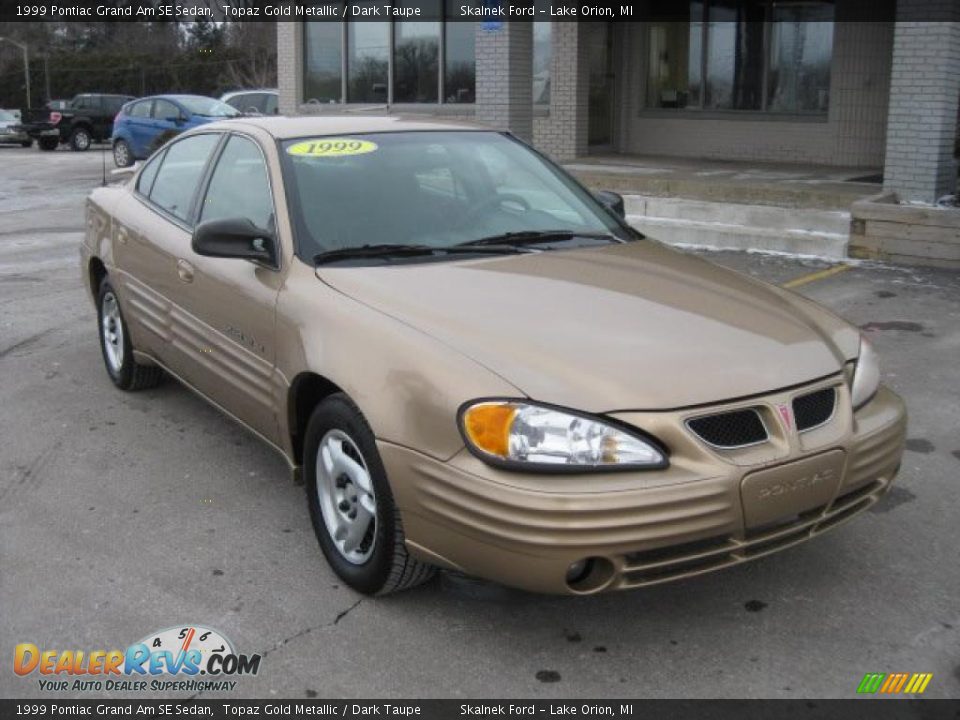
pixel 578 571
pixel 589 574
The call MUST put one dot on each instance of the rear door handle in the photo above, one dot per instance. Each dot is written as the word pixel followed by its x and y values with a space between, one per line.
pixel 185 271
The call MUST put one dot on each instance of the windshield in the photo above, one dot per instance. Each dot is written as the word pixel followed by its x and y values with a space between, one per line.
pixel 437 189
pixel 208 107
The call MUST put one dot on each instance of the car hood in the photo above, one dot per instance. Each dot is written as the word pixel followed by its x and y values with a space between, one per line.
pixel 625 327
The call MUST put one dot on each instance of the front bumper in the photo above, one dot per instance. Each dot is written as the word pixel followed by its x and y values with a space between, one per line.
pixel 710 509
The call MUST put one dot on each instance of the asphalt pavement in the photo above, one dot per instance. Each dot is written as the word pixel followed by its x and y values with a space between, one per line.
pixel 121 514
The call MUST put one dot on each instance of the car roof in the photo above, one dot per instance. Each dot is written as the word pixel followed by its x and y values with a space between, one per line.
pixel 177 96
pixel 283 127
pixel 234 93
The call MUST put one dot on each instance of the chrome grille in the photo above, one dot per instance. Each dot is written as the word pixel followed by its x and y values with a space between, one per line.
pixel 736 429
pixel 814 409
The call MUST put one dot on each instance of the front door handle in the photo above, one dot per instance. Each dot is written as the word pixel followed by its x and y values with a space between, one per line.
pixel 185 271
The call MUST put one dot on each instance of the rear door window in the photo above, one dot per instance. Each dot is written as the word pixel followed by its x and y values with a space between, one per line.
pixel 165 110
pixel 140 109
pixel 179 175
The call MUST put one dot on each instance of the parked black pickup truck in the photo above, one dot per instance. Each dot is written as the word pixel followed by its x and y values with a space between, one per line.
pixel 88 118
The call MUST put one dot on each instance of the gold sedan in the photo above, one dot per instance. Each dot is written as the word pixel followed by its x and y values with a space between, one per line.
pixel 474 363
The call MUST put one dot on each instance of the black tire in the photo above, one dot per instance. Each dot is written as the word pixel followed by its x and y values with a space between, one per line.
pixel 129 375
pixel 122 156
pixel 26 143
pixel 48 143
pixel 81 139
pixel 390 568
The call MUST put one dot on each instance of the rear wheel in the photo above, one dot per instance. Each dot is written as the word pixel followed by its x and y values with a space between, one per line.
pixel 26 143
pixel 48 143
pixel 122 156
pixel 80 139
pixel 351 506
pixel 125 372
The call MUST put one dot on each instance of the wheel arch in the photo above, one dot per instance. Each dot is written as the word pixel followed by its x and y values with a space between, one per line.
pixel 307 390
pixel 96 272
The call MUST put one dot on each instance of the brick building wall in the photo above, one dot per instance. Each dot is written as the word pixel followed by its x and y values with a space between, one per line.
pixel 924 97
pixel 504 72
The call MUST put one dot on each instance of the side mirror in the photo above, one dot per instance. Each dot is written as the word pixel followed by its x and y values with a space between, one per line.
pixel 611 201
pixel 235 238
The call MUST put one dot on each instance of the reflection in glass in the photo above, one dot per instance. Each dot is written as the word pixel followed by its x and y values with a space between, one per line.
pixel 801 45
pixel 460 75
pixel 416 56
pixel 368 46
pixel 542 57
pixel 734 56
pixel 322 57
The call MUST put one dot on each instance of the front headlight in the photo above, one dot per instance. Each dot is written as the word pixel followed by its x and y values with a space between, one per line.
pixel 866 375
pixel 536 437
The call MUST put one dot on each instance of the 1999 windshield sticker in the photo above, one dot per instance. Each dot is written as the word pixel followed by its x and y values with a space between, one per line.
pixel 168 660
pixel 332 147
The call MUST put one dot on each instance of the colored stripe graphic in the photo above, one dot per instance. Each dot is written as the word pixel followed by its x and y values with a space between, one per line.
pixel 871 682
pixel 894 683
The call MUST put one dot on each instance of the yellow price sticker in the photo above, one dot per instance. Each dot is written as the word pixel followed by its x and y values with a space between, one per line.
pixel 331 147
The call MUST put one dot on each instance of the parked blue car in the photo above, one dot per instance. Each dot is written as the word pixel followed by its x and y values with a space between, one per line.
pixel 143 125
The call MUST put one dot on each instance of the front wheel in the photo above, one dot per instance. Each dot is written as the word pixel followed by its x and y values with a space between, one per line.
pixel 125 372
pixel 354 517
pixel 26 143
pixel 122 156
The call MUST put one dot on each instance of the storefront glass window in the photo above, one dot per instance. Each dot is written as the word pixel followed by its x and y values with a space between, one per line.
pixel 460 69
pixel 416 56
pixel 418 65
pixel 368 47
pixel 751 55
pixel 801 44
pixel 322 62
pixel 542 55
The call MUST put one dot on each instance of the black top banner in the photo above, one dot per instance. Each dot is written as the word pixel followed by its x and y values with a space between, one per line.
pixel 492 12
pixel 452 709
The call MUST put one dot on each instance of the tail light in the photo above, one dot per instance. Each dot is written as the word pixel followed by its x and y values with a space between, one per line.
pixel 55 117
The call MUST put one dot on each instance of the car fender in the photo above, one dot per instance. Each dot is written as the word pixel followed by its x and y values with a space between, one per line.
pixel 408 385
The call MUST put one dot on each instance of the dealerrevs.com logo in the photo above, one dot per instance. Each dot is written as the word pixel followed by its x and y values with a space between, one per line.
pixel 191 658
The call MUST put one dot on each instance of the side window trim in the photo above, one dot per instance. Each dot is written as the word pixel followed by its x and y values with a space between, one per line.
pixel 208 177
pixel 188 224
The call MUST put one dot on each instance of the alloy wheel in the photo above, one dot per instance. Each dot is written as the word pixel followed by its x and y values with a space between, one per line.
pixel 346 497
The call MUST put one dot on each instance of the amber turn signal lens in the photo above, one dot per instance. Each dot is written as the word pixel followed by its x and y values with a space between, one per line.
pixel 488 427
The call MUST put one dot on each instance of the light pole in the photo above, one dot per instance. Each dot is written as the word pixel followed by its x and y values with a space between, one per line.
pixel 26 64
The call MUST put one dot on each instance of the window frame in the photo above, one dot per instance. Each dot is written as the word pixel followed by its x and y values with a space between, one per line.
pixel 207 177
pixel 701 111
pixel 391 48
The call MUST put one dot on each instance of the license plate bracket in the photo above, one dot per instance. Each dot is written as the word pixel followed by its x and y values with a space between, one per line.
pixel 790 489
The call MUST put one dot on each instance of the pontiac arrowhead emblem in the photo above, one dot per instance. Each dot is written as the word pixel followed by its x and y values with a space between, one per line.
pixel 785 415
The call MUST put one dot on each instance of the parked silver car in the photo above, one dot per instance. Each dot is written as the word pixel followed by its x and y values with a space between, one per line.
pixel 11 131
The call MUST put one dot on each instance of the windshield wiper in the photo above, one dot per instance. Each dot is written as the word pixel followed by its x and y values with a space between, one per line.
pixel 389 250
pixel 534 237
